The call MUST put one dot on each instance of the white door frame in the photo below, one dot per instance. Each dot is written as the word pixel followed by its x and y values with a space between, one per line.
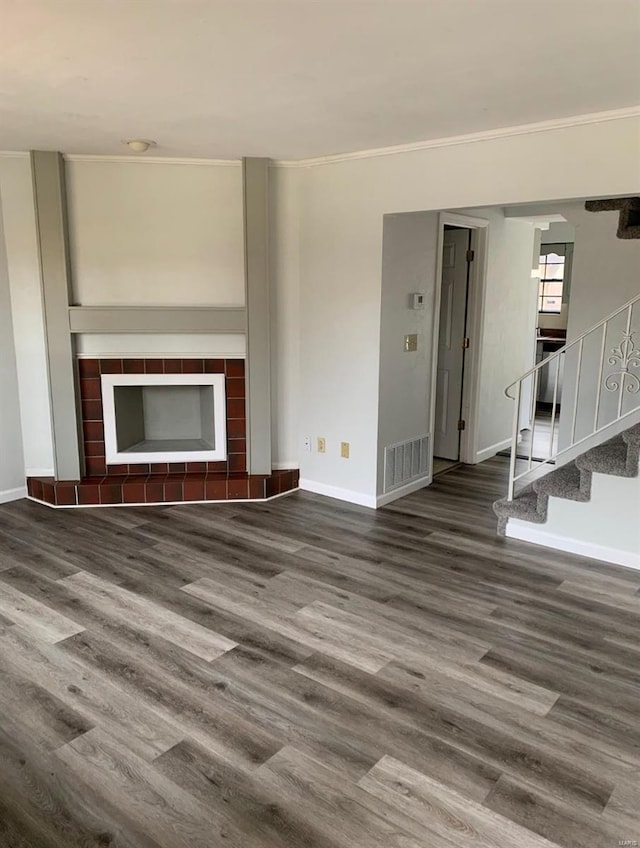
pixel 475 321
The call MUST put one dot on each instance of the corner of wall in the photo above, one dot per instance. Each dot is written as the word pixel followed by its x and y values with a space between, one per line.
pixel 23 266
pixel 12 474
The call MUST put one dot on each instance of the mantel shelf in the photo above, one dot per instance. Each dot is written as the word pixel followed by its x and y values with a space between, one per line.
pixel 157 319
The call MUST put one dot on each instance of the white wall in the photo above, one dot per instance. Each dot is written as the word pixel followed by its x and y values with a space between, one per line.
pixel 285 314
pixel 606 269
pixel 16 195
pixel 12 483
pixel 551 321
pixel 155 233
pixel 559 232
pixel 507 331
pixel 507 341
pixel 340 261
pixel 605 528
pixel 605 275
pixel 341 213
pixel 409 260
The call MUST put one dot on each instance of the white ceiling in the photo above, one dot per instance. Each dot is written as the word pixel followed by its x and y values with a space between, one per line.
pixel 303 78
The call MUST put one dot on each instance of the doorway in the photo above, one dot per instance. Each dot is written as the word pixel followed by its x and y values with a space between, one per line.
pixel 453 342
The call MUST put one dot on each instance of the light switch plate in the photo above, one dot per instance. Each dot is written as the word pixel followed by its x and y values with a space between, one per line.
pixel 411 342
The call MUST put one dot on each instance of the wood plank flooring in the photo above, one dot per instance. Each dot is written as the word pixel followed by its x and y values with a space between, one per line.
pixel 309 674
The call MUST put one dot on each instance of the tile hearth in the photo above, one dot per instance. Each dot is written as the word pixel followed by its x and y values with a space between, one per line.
pixel 160 488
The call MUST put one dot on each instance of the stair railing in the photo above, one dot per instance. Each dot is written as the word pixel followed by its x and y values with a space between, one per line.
pixel 589 384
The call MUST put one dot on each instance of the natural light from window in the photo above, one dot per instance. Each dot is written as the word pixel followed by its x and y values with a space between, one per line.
pixel 551 282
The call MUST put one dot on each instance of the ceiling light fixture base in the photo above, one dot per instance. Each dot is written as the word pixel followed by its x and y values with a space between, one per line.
pixel 139 145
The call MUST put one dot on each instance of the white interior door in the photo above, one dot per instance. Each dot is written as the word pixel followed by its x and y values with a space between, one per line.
pixel 446 437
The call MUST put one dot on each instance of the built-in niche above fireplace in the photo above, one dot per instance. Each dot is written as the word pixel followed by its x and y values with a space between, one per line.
pixel 164 418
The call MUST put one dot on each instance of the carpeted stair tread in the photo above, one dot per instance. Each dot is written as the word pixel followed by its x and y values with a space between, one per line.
pixel 629 214
pixel 620 456
pixel 527 506
pixel 610 458
pixel 567 482
pixel 631 438
pixel 632 435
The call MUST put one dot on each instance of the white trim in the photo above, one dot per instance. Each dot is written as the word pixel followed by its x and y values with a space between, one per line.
pixel 492 450
pixel 115 457
pixel 340 494
pixel 480 235
pixel 447 141
pixel 292 465
pixel 485 135
pixel 39 472
pixel 159 503
pixel 13 494
pixel 126 159
pixel 401 491
pixel 573 546
pixel 480 231
pixel 14 154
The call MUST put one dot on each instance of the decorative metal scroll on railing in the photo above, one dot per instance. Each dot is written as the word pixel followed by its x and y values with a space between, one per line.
pixel 581 390
pixel 628 355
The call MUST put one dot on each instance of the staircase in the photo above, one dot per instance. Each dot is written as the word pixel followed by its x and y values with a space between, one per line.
pixel 592 437
pixel 629 218
pixel 618 457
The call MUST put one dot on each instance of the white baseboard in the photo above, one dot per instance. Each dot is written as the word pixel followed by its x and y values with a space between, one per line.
pixel 341 494
pixel 359 498
pixel 39 472
pixel 573 546
pixel 13 494
pixel 492 450
pixel 407 489
pixel 285 466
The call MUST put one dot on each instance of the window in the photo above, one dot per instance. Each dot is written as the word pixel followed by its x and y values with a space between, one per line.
pixel 552 278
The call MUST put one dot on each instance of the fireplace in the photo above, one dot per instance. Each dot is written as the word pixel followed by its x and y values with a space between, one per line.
pixel 164 418
pixel 220 382
pixel 167 409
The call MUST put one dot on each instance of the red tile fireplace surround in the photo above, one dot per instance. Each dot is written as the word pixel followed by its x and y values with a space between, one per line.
pixel 160 482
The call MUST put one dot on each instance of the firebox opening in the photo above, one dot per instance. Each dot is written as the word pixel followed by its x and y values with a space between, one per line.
pixel 152 419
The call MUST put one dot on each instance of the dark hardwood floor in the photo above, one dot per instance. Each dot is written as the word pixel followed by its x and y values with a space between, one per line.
pixel 309 673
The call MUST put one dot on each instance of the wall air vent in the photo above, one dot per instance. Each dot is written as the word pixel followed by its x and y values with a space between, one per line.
pixel 405 462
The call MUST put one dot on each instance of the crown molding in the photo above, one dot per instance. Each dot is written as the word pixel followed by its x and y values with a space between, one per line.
pixel 470 138
pixel 371 153
pixel 150 160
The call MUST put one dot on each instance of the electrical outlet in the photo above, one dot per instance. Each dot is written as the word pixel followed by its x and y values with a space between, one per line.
pixel 344 450
pixel 411 343
pixel 307 444
pixel 322 444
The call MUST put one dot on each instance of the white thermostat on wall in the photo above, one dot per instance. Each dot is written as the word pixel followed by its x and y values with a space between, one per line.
pixel 417 300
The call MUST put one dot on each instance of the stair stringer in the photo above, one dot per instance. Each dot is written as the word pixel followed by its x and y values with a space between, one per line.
pixel 606 527
pixel 618 458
